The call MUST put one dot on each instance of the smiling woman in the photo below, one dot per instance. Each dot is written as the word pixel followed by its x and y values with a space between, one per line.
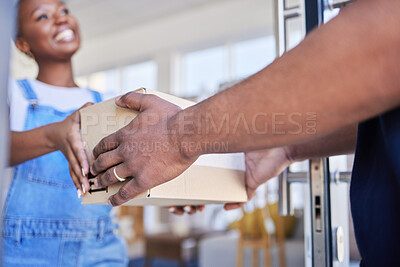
pixel 47 31
pixel 44 222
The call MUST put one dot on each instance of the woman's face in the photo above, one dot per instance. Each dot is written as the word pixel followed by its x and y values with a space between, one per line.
pixel 47 30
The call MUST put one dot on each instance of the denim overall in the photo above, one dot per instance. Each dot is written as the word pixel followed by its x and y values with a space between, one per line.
pixel 44 221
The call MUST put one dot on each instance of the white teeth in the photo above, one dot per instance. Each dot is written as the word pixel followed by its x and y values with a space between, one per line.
pixel 66 35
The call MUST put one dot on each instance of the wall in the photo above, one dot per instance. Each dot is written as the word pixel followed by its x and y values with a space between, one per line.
pixel 6 30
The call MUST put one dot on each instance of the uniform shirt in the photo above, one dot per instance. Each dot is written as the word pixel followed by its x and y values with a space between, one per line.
pixel 375 190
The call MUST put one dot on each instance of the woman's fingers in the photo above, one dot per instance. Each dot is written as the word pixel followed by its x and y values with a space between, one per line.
pixel 75 140
pixel 77 148
pixel 83 182
pixel 86 105
pixel 73 149
pixel 76 181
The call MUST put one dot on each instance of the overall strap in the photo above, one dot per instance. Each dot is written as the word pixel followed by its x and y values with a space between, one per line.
pixel 96 96
pixel 29 93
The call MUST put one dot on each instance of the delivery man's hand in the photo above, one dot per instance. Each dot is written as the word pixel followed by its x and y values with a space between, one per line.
pixel 144 150
pixel 261 166
pixel 180 210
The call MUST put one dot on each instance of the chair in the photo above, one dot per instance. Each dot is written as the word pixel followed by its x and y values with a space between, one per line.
pixel 254 234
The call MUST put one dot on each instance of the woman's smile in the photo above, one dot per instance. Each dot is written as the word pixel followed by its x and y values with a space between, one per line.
pixel 65 35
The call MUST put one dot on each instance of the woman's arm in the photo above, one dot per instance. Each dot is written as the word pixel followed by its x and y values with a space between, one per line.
pixel 31 144
pixel 64 136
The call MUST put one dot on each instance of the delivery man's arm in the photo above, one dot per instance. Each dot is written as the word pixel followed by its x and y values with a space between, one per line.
pixel 343 73
pixel 262 165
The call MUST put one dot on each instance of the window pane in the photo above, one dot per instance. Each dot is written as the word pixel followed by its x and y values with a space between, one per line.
pixel 203 71
pixel 251 56
pixel 105 81
pixel 139 75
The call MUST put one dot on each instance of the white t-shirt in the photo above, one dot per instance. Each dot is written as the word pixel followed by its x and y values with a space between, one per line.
pixel 60 98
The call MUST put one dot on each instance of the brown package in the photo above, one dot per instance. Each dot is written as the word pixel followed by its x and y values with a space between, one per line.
pixel 212 179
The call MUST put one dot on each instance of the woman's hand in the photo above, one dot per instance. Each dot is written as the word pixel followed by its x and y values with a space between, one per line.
pixel 66 137
pixel 261 166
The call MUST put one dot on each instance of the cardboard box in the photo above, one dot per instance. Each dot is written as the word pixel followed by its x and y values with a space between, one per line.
pixel 212 179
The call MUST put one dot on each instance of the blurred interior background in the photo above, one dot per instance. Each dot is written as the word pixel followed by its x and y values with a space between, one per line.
pixel 193 49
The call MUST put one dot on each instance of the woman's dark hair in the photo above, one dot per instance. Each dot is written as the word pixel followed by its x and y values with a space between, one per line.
pixel 17 30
